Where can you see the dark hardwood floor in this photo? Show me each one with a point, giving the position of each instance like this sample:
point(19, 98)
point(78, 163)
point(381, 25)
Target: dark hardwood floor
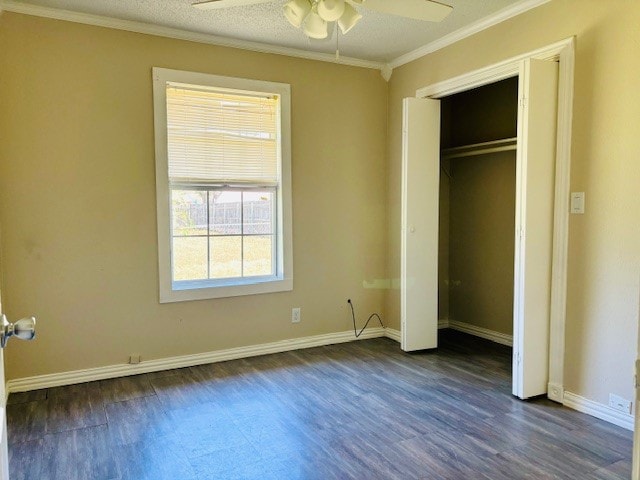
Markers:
point(363, 410)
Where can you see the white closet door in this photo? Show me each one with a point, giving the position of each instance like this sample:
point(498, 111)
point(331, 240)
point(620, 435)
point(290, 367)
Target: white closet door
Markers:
point(535, 178)
point(420, 211)
point(635, 456)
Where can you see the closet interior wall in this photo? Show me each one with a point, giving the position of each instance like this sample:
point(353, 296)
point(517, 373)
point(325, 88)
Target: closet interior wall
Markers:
point(477, 209)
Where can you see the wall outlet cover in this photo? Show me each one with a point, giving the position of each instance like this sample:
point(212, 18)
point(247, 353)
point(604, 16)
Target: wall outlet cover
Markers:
point(621, 404)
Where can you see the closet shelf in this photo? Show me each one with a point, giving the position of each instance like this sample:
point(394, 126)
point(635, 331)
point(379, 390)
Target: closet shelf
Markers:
point(503, 145)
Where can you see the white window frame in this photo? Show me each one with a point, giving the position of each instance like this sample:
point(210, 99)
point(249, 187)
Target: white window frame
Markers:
point(201, 290)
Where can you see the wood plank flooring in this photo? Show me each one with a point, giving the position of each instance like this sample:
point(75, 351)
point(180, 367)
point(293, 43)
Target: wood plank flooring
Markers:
point(363, 410)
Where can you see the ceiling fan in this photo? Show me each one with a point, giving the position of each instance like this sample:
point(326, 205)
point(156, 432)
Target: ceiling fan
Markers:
point(315, 16)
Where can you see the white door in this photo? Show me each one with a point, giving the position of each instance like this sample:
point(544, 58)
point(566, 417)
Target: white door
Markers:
point(635, 472)
point(4, 453)
point(420, 211)
point(535, 178)
point(24, 329)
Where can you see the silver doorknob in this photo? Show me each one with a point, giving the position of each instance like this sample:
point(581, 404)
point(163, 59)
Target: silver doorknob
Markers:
point(24, 329)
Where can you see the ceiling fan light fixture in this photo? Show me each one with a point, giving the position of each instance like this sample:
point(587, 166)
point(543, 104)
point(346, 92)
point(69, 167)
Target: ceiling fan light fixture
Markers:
point(296, 11)
point(331, 10)
point(314, 26)
point(348, 19)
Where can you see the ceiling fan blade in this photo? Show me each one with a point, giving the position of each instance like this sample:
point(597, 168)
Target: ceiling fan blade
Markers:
point(217, 4)
point(426, 10)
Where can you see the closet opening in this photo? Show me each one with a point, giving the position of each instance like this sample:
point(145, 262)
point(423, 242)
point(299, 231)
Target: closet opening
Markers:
point(436, 275)
point(477, 214)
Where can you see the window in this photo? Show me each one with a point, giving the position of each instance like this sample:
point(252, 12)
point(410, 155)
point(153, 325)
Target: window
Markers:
point(223, 185)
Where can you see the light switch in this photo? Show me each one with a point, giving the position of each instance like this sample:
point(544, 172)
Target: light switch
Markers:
point(577, 202)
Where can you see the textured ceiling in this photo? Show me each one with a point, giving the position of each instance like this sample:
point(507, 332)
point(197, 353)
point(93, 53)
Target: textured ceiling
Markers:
point(377, 37)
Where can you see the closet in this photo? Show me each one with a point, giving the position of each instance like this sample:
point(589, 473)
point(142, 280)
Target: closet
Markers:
point(477, 208)
point(469, 183)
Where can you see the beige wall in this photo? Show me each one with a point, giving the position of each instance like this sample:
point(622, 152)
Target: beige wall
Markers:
point(604, 250)
point(77, 197)
point(481, 240)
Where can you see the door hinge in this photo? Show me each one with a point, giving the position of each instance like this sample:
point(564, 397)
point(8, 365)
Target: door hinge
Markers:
point(517, 358)
point(523, 102)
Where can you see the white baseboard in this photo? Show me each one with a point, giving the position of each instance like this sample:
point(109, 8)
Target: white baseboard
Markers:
point(393, 334)
point(114, 371)
point(598, 410)
point(485, 333)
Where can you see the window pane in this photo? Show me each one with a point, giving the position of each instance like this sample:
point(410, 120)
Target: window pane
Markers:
point(258, 212)
point(189, 212)
point(258, 255)
point(226, 257)
point(189, 258)
point(226, 217)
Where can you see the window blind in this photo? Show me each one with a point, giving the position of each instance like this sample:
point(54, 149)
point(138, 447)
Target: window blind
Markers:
point(221, 137)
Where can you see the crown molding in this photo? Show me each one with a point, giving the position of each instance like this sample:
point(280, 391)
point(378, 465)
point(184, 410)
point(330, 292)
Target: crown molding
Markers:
point(471, 29)
point(179, 34)
point(386, 69)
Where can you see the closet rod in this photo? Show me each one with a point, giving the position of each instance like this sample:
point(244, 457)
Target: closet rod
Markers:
point(503, 145)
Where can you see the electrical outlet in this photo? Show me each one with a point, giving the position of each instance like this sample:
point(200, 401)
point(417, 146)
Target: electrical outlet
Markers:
point(135, 358)
point(295, 315)
point(619, 403)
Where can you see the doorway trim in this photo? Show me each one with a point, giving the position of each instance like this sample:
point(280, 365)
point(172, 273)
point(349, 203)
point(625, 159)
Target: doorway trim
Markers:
point(564, 53)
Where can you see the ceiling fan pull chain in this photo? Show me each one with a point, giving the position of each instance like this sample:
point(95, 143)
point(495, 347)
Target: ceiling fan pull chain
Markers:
point(337, 44)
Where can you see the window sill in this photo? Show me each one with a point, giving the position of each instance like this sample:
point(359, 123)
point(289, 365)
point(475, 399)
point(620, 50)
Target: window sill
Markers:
point(186, 291)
